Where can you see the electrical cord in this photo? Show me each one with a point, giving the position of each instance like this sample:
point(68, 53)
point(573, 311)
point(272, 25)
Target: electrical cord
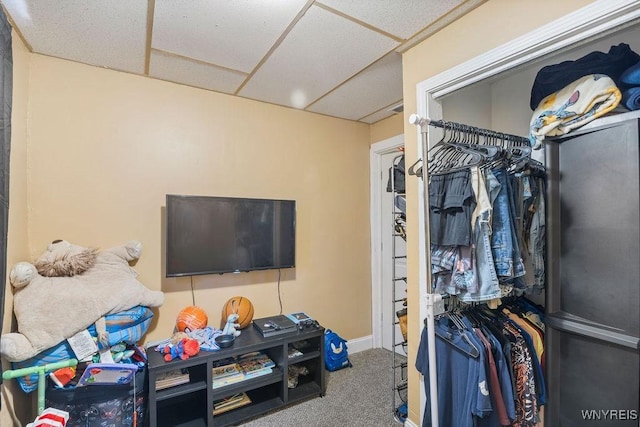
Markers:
point(193, 295)
point(279, 296)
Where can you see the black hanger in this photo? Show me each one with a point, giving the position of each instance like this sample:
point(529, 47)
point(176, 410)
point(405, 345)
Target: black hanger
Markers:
point(460, 151)
point(448, 337)
point(457, 324)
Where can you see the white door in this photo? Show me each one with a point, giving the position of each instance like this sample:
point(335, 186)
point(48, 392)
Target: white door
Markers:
point(382, 306)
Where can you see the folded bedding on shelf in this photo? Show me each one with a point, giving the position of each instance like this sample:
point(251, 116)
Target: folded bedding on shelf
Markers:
point(631, 98)
point(575, 105)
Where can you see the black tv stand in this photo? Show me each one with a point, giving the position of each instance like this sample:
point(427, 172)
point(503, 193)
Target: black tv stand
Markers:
point(191, 404)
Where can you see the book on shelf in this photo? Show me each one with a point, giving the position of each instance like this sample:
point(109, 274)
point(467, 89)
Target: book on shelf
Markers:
point(172, 378)
point(257, 373)
point(255, 364)
point(230, 402)
point(222, 362)
point(224, 371)
point(256, 358)
point(226, 381)
point(226, 374)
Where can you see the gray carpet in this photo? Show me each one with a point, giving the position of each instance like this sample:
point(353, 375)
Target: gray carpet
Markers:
point(357, 396)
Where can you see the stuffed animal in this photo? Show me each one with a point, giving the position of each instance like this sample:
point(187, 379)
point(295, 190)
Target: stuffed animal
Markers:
point(177, 337)
point(231, 327)
point(294, 372)
point(69, 288)
point(183, 349)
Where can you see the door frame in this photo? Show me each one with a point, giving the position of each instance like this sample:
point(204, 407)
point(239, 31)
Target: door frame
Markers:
point(596, 20)
point(376, 152)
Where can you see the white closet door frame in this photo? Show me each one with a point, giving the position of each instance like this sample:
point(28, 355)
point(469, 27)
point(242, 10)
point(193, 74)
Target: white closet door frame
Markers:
point(593, 21)
point(375, 155)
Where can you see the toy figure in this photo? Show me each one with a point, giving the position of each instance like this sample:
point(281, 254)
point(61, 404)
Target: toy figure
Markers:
point(231, 327)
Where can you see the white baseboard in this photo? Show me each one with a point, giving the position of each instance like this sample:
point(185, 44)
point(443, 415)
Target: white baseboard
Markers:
point(360, 344)
point(409, 423)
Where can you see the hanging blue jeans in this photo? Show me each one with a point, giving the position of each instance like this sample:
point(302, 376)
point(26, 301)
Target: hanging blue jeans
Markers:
point(520, 191)
point(537, 236)
point(486, 189)
point(504, 242)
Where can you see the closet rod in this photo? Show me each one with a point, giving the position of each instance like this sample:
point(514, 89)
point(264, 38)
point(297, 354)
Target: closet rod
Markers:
point(433, 299)
point(414, 119)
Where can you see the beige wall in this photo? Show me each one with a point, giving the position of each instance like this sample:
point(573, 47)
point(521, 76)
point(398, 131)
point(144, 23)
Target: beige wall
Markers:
point(387, 128)
point(492, 24)
point(106, 147)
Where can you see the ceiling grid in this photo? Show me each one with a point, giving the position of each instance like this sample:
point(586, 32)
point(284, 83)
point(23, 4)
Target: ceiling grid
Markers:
point(339, 58)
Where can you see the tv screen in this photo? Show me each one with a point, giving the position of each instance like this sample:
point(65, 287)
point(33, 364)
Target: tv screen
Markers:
point(207, 234)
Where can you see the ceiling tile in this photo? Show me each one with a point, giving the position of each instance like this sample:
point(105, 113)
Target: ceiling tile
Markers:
point(403, 21)
point(321, 51)
point(377, 116)
point(320, 55)
point(234, 34)
point(108, 33)
point(375, 88)
point(182, 70)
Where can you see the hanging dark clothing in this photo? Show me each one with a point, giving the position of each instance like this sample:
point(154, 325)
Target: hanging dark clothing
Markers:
point(451, 203)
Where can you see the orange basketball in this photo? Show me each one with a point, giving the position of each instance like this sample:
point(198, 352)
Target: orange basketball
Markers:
point(240, 305)
point(192, 318)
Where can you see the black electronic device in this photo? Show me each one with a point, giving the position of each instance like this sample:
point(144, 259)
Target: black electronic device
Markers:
point(303, 320)
point(274, 325)
point(207, 234)
point(308, 324)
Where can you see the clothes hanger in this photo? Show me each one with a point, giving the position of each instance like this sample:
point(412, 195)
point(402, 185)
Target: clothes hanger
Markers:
point(478, 323)
point(455, 153)
point(472, 141)
point(452, 158)
point(457, 325)
point(473, 351)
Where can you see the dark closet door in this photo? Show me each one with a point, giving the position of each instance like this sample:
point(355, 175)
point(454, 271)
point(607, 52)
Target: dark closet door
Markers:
point(593, 281)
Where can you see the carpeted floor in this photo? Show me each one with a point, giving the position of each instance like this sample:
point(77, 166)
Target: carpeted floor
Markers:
point(357, 396)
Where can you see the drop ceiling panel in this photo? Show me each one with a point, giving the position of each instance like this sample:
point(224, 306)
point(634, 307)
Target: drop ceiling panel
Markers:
point(379, 115)
point(321, 51)
point(107, 33)
point(319, 55)
point(375, 88)
point(235, 34)
point(183, 70)
point(402, 19)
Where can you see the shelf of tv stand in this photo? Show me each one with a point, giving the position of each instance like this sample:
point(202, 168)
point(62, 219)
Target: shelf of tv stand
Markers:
point(194, 400)
point(248, 384)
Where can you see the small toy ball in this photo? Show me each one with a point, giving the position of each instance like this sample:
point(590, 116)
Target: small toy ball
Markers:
point(240, 306)
point(191, 318)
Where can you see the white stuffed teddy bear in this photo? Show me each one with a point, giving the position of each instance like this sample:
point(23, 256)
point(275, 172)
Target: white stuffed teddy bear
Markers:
point(231, 327)
point(66, 290)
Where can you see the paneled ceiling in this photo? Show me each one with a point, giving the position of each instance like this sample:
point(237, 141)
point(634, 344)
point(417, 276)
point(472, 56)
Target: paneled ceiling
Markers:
point(340, 58)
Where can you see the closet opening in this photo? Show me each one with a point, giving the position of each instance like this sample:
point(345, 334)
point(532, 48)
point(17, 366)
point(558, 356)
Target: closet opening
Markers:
point(463, 93)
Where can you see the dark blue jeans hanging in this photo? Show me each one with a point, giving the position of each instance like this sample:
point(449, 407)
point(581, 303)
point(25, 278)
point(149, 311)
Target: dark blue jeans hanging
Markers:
point(504, 241)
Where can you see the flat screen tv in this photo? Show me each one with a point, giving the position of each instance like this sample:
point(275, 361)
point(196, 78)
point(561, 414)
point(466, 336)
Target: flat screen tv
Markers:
point(208, 235)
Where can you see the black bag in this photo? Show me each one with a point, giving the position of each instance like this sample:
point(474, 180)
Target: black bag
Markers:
point(398, 177)
point(102, 405)
point(336, 355)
